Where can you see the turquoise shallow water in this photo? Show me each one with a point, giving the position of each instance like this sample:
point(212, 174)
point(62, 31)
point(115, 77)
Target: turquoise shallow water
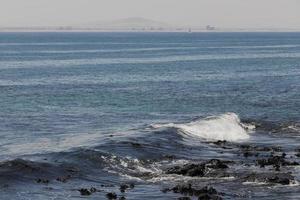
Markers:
point(64, 96)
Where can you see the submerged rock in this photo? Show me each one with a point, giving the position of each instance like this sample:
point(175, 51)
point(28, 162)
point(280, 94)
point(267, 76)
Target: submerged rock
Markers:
point(63, 179)
point(87, 192)
point(213, 167)
point(123, 188)
point(275, 178)
point(45, 181)
point(184, 198)
point(202, 193)
point(111, 195)
point(275, 161)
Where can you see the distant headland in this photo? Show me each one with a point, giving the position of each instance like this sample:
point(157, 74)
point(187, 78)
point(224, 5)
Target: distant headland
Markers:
point(135, 25)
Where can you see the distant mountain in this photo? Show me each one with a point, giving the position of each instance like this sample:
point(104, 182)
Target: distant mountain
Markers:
point(132, 23)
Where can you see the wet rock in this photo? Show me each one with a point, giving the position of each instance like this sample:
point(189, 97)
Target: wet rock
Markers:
point(63, 179)
point(274, 178)
point(85, 192)
point(275, 161)
point(203, 193)
point(122, 198)
point(223, 144)
point(213, 167)
point(220, 142)
point(93, 190)
point(184, 198)
point(19, 165)
point(247, 147)
point(123, 188)
point(111, 195)
point(247, 154)
point(72, 169)
point(137, 145)
point(169, 157)
point(107, 185)
point(131, 185)
point(297, 152)
point(248, 150)
point(45, 181)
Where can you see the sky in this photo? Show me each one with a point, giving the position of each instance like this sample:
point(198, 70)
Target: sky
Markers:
point(219, 13)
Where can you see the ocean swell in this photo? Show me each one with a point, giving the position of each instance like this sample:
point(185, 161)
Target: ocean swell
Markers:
point(226, 126)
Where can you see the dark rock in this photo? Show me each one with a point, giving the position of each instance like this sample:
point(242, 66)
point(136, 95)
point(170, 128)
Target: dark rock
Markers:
point(250, 154)
point(123, 188)
point(216, 164)
point(122, 198)
point(203, 193)
point(184, 198)
point(63, 179)
point(279, 180)
point(209, 197)
point(131, 185)
point(213, 167)
point(276, 161)
point(93, 190)
point(134, 144)
point(223, 144)
point(111, 195)
point(247, 147)
point(107, 185)
point(72, 169)
point(169, 157)
point(275, 178)
point(45, 181)
point(220, 142)
point(85, 192)
point(165, 190)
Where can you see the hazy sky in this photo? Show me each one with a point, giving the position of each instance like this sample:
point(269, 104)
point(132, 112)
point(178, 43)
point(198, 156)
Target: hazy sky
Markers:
point(220, 13)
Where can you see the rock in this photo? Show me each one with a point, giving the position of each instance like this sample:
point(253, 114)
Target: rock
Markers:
point(45, 181)
point(111, 195)
point(63, 178)
point(107, 185)
point(220, 142)
point(203, 193)
point(93, 190)
point(274, 178)
point(276, 161)
point(131, 185)
point(184, 198)
point(122, 198)
point(123, 187)
point(213, 167)
point(136, 145)
point(85, 192)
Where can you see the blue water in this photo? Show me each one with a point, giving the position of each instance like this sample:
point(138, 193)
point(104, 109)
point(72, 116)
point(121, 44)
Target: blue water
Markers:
point(67, 96)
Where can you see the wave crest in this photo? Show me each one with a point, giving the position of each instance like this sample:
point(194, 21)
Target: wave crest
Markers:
point(227, 126)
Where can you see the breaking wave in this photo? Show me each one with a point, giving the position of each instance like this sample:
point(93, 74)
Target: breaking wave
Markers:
point(227, 126)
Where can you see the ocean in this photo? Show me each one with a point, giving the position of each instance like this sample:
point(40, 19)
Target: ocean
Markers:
point(149, 115)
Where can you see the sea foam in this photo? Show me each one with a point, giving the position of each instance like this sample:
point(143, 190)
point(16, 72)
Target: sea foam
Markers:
point(226, 126)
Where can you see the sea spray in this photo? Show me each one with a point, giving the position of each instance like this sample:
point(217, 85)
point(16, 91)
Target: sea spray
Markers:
point(226, 126)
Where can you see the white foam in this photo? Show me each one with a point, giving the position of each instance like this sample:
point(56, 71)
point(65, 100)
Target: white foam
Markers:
point(223, 127)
